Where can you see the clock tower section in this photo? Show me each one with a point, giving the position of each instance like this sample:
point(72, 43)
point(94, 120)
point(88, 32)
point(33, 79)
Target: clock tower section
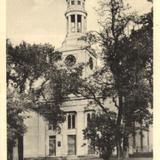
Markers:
point(73, 47)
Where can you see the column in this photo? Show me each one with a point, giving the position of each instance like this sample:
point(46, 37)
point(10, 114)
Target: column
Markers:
point(76, 23)
point(82, 24)
point(80, 137)
point(69, 24)
point(85, 24)
point(64, 142)
point(42, 137)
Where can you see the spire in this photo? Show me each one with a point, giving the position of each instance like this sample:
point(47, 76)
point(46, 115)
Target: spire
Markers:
point(76, 17)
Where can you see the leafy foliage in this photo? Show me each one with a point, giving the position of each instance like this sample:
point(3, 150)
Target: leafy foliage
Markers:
point(101, 131)
point(35, 82)
point(126, 77)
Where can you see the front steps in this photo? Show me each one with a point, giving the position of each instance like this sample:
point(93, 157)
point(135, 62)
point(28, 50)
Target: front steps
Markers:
point(137, 155)
point(65, 158)
point(142, 155)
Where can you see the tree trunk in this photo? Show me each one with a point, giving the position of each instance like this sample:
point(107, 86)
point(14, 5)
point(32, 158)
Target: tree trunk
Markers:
point(125, 147)
point(118, 135)
point(20, 148)
point(134, 136)
point(141, 137)
point(119, 151)
point(125, 154)
point(9, 152)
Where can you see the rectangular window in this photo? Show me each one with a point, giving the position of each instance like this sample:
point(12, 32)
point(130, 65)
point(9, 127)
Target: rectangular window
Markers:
point(71, 144)
point(52, 145)
point(79, 18)
point(72, 18)
point(72, 2)
point(79, 2)
point(71, 121)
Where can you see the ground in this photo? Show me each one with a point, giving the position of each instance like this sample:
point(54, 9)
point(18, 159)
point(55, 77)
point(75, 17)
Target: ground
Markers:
point(84, 158)
point(140, 158)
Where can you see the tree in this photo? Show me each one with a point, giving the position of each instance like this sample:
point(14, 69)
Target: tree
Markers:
point(25, 64)
point(127, 73)
point(101, 131)
point(35, 82)
point(15, 126)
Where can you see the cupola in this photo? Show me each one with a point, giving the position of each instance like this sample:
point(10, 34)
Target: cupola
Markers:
point(76, 17)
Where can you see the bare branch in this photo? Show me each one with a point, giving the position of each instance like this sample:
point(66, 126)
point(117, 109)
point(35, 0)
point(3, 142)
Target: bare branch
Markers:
point(115, 103)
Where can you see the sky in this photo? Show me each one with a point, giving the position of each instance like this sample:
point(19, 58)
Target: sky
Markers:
point(43, 21)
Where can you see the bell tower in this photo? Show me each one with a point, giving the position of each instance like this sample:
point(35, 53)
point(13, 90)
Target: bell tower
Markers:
point(74, 47)
point(76, 17)
point(76, 25)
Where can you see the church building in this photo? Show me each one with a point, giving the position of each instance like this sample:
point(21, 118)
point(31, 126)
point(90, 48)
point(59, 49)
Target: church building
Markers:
point(40, 139)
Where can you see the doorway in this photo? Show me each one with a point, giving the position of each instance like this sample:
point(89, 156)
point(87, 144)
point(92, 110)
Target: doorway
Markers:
point(52, 145)
point(71, 144)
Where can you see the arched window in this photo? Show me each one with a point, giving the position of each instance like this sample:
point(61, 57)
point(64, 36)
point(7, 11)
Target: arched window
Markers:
point(71, 121)
point(91, 149)
point(73, 23)
point(93, 115)
point(88, 118)
point(79, 27)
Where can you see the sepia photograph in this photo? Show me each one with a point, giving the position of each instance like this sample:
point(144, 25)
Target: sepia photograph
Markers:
point(79, 79)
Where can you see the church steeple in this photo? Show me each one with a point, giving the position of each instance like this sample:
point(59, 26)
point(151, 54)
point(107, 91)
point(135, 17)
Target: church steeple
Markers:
point(76, 17)
point(76, 24)
point(74, 46)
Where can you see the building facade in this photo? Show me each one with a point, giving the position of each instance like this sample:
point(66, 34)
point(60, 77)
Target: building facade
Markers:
point(41, 140)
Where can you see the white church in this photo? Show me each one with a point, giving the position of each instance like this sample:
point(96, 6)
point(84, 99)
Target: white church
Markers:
point(40, 139)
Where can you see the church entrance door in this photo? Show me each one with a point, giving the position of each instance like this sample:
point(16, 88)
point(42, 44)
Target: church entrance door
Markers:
point(52, 145)
point(71, 144)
